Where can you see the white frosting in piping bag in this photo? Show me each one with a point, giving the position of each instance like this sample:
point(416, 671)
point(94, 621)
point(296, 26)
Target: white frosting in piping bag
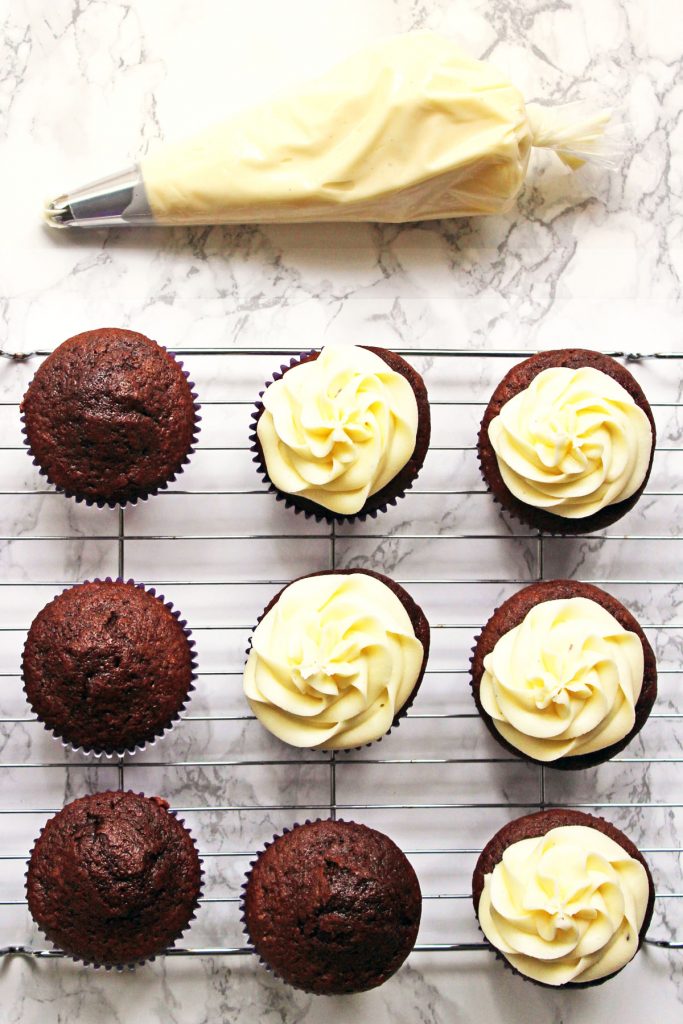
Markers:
point(410, 129)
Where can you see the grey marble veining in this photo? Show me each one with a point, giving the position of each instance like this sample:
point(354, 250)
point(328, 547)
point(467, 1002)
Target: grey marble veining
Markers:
point(594, 260)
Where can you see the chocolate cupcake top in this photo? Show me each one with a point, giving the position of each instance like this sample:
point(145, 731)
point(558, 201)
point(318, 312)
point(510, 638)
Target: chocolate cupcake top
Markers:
point(344, 430)
point(335, 658)
point(113, 878)
point(565, 897)
point(109, 416)
point(567, 440)
point(107, 666)
point(332, 907)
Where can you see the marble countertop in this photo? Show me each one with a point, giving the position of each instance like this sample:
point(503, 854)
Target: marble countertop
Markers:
point(593, 260)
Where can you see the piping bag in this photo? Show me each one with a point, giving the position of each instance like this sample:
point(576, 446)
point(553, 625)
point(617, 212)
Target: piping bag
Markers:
point(410, 129)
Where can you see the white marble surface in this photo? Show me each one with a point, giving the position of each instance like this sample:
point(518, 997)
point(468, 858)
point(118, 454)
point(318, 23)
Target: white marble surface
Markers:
point(592, 260)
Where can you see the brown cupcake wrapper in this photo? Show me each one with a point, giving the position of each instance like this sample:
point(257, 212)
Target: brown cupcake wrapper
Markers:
point(568, 986)
point(110, 502)
point(401, 714)
point(129, 965)
point(524, 514)
point(303, 506)
point(562, 764)
point(116, 755)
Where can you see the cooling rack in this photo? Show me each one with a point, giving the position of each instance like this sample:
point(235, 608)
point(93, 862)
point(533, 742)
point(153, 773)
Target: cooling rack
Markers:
point(218, 545)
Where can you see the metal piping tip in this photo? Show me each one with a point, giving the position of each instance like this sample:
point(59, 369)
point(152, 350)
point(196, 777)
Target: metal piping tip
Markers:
point(117, 200)
point(57, 213)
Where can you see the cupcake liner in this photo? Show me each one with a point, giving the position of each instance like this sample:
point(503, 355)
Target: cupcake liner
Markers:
point(129, 965)
point(403, 711)
point(565, 764)
point(116, 755)
point(110, 502)
point(302, 505)
point(575, 984)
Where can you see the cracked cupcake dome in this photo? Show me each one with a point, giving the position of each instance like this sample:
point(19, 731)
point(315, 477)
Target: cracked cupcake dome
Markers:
point(567, 441)
point(114, 879)
point(332, 907)
point(342, 433)
point(108, 666)
point(110, 417)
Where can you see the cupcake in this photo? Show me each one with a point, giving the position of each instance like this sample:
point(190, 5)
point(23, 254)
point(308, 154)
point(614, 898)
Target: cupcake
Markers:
point(567, 441)
point(336, 659)
point(342, 432)
point(114, 879)
point(110, 417)
point(108, 666)
point(563, 675)
point(332, 907)
point(563, 897)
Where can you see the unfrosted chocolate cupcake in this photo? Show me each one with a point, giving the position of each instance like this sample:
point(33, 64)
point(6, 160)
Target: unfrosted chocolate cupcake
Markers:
point(563, 675)
point(108, 666)
point(332, 907)
point(114, 879)
point(110, 417)
point(563, 897)
point(336, 659)
point(567, 441)
point(343, 432)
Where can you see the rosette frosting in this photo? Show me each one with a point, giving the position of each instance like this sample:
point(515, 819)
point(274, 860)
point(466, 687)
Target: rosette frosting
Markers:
point(572, 442)
point(336, 429)
point(332, 662)
point(565, 681)
point(565, 907)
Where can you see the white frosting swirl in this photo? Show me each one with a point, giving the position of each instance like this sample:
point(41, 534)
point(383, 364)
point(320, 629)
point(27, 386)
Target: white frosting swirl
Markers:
point(332, 662)
point(572, 442)
point(565, 681)
point(565, 907)
point(338, 428)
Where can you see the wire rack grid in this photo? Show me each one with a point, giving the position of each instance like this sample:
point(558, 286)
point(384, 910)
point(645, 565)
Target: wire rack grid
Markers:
point(445, 541)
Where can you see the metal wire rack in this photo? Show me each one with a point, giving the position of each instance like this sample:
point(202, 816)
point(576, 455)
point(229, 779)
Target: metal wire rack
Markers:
point(456, 404)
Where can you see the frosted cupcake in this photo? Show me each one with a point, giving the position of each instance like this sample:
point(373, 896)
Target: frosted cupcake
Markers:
point(567, 441)
point(564, 898)
point(336, 659)
point(563, 675)
point(342, 432)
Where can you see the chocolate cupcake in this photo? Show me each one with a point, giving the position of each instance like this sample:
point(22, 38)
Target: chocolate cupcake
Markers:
point(110, 417)
point(332, 907)
point(563, 675)
point(343, 432)
point(567, 441)
point(563, 897)
point(336, 659)
point(114, 879)
point(108, 666)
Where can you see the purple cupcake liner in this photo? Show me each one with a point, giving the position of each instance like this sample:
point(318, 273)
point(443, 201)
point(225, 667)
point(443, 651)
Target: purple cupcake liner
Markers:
point(131, 965)
point(401, 714)
point(109, 502)
point(116, 755)
point(310, 510)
